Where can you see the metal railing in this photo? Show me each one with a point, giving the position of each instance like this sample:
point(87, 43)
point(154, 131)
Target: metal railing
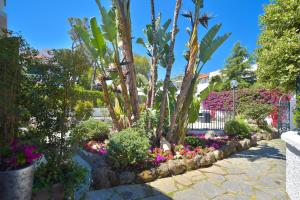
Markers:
point(211, 120)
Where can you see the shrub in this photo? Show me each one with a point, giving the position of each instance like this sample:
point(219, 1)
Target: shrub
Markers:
point(237, 127)
point(142, 124)
point(194, 141)
point(90, 130)
point(297, 113)
point(69, 174)
point(255, 111)
point(128, 147)
point(83, 110)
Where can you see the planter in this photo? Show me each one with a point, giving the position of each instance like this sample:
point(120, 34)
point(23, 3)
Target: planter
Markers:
point(16, 184)
point(292, 140)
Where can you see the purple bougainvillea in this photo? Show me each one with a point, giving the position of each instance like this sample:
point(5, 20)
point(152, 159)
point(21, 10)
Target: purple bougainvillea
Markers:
point(224, 101)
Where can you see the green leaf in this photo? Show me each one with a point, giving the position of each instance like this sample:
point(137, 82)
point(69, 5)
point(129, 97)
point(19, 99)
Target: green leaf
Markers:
point(98, 40)
point(209, 44)
point(84, 35)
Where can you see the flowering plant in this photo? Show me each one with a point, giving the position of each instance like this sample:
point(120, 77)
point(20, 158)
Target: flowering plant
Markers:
point(96, 147)
point(17, 155)
point(159, 155)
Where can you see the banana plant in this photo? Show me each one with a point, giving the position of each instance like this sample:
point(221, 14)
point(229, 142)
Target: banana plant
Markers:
point(123, 19)
point(157, 47)
point(198, 55)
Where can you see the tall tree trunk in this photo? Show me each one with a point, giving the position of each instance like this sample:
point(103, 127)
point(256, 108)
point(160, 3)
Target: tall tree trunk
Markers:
point(188, 77)
point(124, 90)
point(168, 71)
point(124, 26)
point(109, 105)
point(153, 79)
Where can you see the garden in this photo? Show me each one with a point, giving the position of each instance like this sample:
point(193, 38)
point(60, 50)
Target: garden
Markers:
point(49, 134)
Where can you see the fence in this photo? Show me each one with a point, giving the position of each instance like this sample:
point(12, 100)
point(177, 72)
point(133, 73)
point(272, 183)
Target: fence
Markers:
point(211, 120)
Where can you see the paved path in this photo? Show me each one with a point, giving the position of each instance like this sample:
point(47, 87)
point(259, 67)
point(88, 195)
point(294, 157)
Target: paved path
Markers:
point(258, 173)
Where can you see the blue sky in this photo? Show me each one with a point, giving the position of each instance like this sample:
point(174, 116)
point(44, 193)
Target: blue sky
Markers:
point(44, 23)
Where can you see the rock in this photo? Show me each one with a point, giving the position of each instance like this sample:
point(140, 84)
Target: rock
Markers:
point(146, 176)
point(219, 155)
point(104, 178)
point(211, 157)
point(231, 147)
point(95, 160)
point(176, 167)
point(127, 177)
point(197, 160)
point(164, 144)
point(163, 170)
point(190, 164)
point(253, 140)
point(225, 150)
point(205, 161)
point(245, 144)
point(238, 146)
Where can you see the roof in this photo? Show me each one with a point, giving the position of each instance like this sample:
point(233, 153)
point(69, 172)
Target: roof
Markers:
point(203, 76)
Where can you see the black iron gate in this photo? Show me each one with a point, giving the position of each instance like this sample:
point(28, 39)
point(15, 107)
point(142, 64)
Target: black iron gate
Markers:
point(284, 114)
point(211, 120)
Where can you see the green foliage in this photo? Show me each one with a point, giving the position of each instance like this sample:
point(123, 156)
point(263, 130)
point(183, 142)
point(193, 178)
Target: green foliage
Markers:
point(49, 98)
point(297, 113)
point(194, 110)
point(94, 96)
point(69, 174)
point(238, 67)
point(90, 130)
point(128, 147)
point(210, 43)
point(83, 110)
point(146, 117)
point(278, 56)
point(255, 111)
point(194, 141)
point(163, 37)
point(15, 56)
point(237, 127)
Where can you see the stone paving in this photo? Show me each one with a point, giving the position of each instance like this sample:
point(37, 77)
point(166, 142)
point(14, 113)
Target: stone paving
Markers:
point(258, 173)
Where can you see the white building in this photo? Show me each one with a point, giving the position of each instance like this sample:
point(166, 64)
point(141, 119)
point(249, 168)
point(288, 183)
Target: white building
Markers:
point(3, 17)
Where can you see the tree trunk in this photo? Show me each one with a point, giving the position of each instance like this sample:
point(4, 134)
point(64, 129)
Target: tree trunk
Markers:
point(168, 71)
point(124, 26)
point(109, 105)
point(153, 79)
point(124, 90)
point(188, 77)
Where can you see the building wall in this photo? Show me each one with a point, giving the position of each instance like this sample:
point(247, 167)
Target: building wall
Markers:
point(3, 17)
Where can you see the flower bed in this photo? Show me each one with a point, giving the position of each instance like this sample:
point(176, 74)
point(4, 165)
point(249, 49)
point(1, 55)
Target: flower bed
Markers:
point(162, 163)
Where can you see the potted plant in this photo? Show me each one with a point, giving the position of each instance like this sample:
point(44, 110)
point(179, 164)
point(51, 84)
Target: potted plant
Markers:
point(16, 170)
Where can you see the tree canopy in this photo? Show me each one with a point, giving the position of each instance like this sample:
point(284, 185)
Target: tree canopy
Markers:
point(278, 56)
point(238, 67)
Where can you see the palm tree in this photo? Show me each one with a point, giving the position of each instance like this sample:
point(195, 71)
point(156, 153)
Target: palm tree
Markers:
point(168, 70)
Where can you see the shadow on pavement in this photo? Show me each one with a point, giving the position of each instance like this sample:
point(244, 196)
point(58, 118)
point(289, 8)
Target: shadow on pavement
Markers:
point(259, 152)
point(128, 192)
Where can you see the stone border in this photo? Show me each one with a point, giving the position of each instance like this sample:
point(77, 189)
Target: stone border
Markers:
point(105, 177)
